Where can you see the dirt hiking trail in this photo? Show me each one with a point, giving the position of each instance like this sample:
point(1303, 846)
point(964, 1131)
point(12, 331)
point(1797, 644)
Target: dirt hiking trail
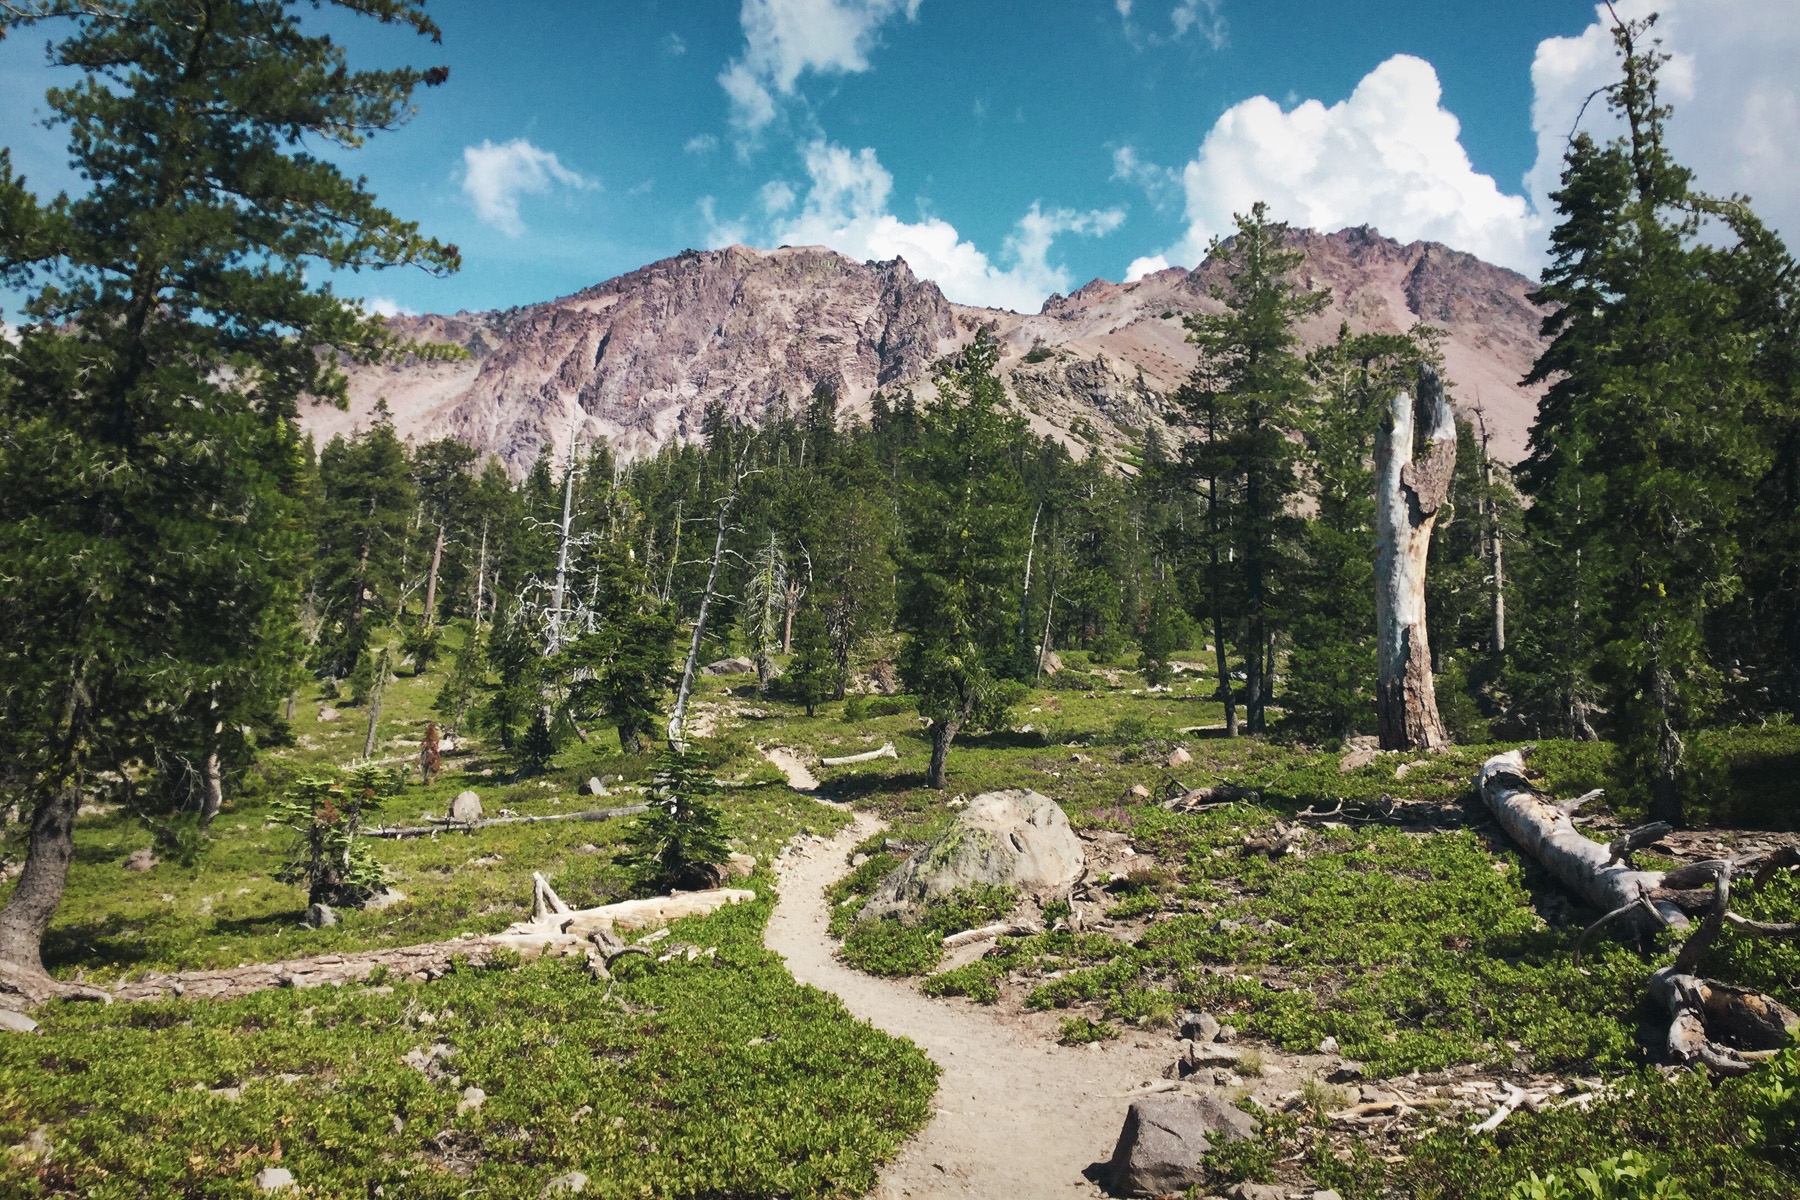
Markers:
point(1017, 1115)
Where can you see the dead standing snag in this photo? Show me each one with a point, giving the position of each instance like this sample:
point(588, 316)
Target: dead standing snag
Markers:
point(1409, 493)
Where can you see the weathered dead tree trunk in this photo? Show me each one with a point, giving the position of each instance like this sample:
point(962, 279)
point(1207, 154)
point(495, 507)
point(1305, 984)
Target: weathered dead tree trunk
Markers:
point(1544, 830)
point(431, 578)
point(685, 689)
point(1408, 494)
point(448, 826)
point(1727, 1028)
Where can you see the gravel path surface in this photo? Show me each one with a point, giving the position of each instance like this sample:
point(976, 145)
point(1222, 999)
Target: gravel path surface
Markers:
point(1017, 1115)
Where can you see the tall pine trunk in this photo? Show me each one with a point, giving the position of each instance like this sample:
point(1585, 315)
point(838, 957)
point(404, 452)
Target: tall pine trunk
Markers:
point(1408, 495)
point(1256, 697)
point(40, 887)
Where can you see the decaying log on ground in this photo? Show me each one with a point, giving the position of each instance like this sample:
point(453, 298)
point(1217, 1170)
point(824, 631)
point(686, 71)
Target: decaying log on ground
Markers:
point(449, 826)
point(887, 751)
point(1219, 794)
point(1544, 831)
point(1728, 1028)
point(554, 929)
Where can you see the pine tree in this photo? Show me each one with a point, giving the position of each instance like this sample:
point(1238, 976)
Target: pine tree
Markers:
point(1250, 388)
point(812, 676)
point(966, 519)
point(368, 505)
point(1641, 453)
point(681, 841)
point(149, 461)
point(623, 668)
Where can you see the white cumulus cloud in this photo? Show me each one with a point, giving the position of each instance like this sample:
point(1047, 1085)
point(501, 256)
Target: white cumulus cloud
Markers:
point(784, 38)
point(385, 306)
point(846, 208)
point(1390, 156)
point(1150, 264)
point(1732, 82)
point(494, 177)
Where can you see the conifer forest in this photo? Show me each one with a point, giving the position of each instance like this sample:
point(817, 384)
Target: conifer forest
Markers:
point(891, 795)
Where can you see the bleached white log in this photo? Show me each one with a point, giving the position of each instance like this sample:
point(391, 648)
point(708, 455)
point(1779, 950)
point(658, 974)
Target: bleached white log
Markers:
point(887, 751)
point(1542, 828)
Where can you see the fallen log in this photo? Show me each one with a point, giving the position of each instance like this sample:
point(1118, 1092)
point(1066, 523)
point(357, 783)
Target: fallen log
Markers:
point(554, 929)
point(1542, 829)
point(887, 751)
point(1728, 1028)
point(987, 933)
point(449, 826)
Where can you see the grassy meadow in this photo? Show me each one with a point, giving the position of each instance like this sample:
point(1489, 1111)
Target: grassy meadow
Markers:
point(1403, 926)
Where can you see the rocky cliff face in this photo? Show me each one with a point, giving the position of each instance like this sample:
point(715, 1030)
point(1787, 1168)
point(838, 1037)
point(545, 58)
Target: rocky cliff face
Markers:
point(638, 359)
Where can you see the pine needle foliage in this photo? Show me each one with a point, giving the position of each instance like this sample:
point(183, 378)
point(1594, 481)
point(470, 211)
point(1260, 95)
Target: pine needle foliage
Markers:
point(681, 840)
point(328, 859)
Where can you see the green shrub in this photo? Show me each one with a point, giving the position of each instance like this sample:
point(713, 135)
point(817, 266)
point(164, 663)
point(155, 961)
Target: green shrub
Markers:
point(890, 948)
point(1627, 1176)
point(979, 981)
point(334, 866)
point(856, 708)
point(1687, 1135)
point(1076, 1031)
point(721, 1077)
point(1129, 729)
point(893, 947)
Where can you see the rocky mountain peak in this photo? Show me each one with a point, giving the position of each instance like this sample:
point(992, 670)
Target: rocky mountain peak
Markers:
point(639, 358)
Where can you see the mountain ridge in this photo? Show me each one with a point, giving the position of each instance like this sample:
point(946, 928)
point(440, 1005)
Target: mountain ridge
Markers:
point(637, 358)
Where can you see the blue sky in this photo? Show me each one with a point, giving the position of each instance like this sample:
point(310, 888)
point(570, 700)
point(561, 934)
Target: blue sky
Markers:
point(1006, 148)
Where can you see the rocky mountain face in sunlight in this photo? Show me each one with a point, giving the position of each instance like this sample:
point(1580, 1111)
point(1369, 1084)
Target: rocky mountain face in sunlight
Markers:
point(638, 359)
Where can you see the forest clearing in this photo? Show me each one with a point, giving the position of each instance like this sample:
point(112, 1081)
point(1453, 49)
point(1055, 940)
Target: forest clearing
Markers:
point(875, 745)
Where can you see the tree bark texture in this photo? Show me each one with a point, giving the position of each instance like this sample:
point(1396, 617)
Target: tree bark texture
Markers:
point(1409, 493)
point(942, 734)
point(40, 887)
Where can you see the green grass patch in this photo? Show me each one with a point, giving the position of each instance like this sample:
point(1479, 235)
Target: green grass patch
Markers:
point(713, 1078)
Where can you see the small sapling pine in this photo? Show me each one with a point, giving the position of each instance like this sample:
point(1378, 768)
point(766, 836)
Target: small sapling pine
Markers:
point(335, 867)
point(681, 840)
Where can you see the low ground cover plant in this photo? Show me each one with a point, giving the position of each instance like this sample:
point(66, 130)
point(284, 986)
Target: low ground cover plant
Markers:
point(715, 1077)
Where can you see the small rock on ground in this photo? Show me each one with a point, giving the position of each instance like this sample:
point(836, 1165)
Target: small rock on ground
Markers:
point(140, 860)
point(274, 1179)
point(466, 808)
point(566, 1184)
point(472, 1099)
point(16, 1022)
point(1160, 1147)
point(319, 916)
point(1258, 1191)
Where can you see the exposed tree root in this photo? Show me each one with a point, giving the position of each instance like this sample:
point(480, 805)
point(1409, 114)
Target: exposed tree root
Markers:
point(1728, 1028)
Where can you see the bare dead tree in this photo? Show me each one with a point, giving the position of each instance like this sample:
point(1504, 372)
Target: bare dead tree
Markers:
point(1409, 493)
point(678, 715)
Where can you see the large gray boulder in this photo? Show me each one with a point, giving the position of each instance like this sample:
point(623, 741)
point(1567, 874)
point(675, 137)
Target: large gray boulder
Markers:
point(1015, 838)
point(466, 808)
point(1164, 1136)
point(729, 666)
